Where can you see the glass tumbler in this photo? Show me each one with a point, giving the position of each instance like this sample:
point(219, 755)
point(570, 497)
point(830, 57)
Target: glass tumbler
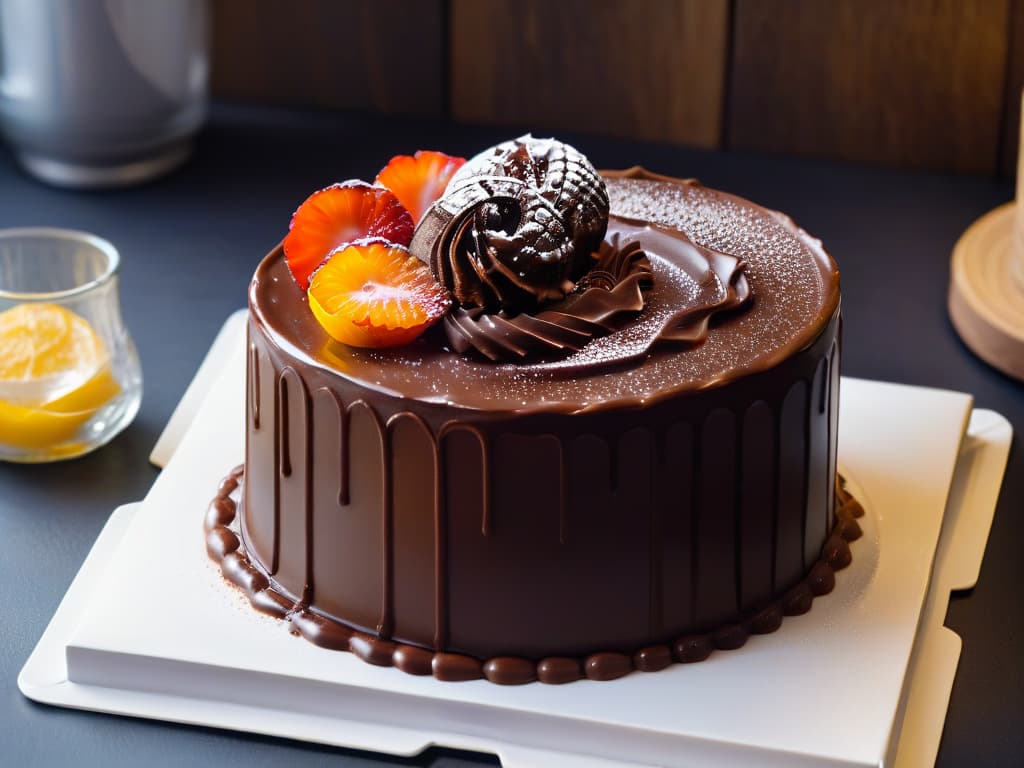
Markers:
point(70, 378)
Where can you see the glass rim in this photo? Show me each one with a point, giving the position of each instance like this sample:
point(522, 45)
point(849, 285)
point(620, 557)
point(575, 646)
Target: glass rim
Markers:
point(74, 235)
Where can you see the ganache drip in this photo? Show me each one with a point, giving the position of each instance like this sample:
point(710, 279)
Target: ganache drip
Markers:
point(517, 226)
point(604, 300)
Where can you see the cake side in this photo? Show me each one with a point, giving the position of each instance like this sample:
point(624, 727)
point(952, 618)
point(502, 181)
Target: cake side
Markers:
point(225, 547)
point(545, 533)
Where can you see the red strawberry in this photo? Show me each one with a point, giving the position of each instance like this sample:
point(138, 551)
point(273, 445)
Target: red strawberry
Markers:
point(340, 214)
point(420, 179)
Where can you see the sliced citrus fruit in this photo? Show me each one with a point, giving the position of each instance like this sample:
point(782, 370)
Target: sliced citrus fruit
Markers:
point(54, 375)
point(341, 214)
point(39, 428)
point(90, 396)
point(418, 180)
point(376, 294)
point(45, 352)
point(42, 339)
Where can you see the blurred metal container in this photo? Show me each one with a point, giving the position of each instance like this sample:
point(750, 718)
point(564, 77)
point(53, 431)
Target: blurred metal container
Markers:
point(100, 93)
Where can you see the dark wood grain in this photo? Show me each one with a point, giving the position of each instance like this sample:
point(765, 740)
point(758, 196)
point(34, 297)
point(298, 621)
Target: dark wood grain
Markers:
point(917, 83)
point(649, 69)
point(1014, 87)
point(381, 55)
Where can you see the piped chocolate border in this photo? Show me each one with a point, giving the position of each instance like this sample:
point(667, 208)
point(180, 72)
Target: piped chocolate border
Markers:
point(224, 547)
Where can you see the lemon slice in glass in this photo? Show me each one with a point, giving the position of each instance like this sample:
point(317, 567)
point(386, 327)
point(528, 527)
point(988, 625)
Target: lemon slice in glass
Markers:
point(54, 375)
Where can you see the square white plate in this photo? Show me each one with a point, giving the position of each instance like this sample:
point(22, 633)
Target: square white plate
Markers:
point(150, 629)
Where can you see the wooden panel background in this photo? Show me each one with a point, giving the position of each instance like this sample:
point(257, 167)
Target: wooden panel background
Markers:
point(647, 69)
point(918, 82)
point(379, 55)
point(912, 83)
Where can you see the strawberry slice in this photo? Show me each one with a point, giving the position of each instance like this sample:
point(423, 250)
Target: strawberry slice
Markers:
point(418, 180)
point(340, 214)
point(376, 294)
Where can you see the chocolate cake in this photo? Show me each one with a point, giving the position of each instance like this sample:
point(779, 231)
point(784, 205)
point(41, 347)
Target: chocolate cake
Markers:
point(633, 465)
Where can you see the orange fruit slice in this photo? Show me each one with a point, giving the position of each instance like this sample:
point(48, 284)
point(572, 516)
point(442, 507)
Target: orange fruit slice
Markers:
point(42, 345)
point(376, 294)
point(90, 396)
point(38, 428)
point(54, 375)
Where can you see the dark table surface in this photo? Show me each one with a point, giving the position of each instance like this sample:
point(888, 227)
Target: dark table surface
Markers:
point(189, 244)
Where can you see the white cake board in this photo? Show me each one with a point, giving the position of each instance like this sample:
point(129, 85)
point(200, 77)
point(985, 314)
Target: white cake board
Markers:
point(148, 628)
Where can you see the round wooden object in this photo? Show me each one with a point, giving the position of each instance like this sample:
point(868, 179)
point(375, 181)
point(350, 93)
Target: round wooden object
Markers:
point(986, 300)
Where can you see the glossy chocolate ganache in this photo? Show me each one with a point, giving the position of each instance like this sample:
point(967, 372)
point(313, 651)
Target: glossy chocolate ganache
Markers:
point(485, 502)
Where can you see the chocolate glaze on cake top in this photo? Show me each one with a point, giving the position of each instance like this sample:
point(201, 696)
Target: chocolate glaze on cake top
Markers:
point(753, 256)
